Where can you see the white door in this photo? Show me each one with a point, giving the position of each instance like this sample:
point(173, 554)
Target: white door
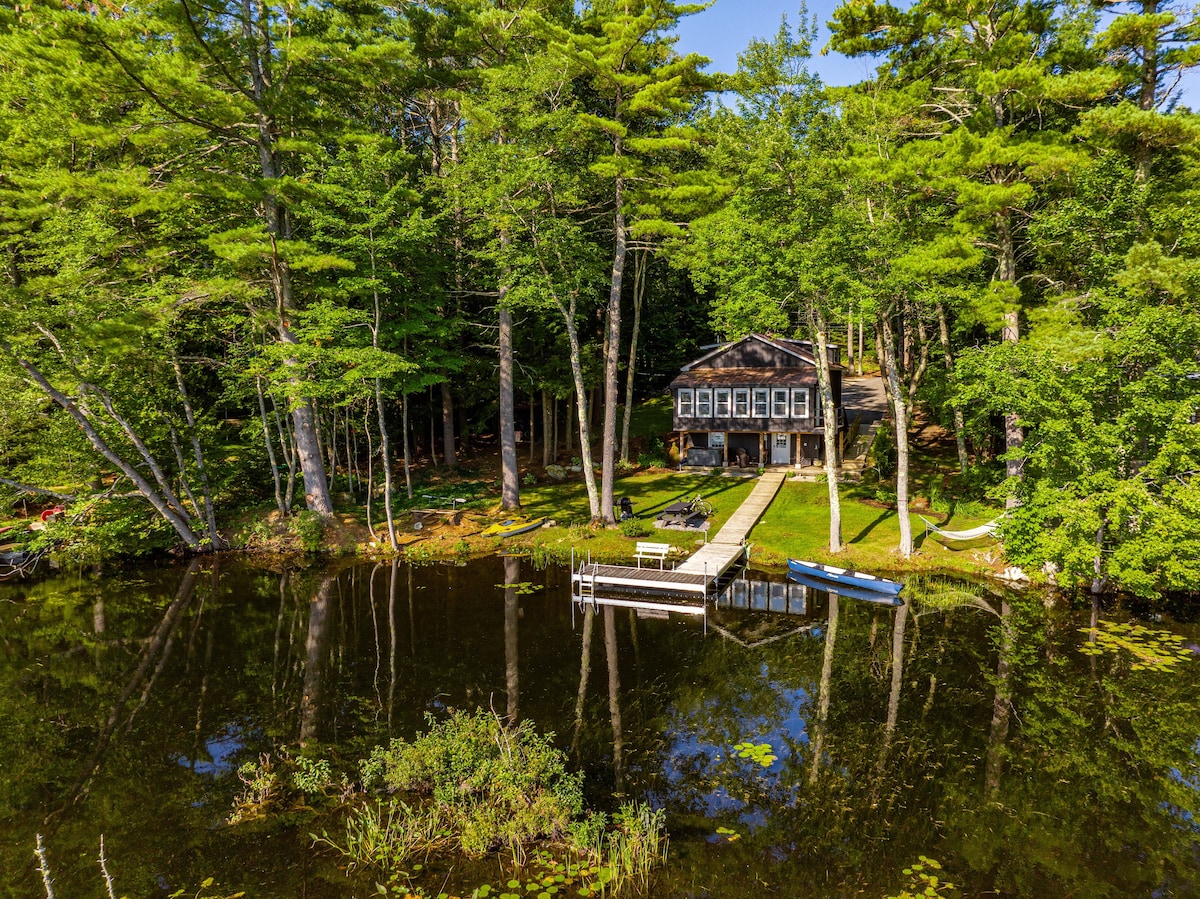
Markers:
point(781, 449)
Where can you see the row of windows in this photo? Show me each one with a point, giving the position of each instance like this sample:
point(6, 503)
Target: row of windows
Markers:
point(743, 402)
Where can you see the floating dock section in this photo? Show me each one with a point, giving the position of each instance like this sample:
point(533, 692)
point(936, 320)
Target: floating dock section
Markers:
point(695, 576)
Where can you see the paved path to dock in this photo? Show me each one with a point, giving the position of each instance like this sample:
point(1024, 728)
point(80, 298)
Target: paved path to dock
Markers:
point(723, 550)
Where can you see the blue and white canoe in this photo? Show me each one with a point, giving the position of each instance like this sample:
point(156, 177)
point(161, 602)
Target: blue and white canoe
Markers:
point(812, 583)
point(843, 577)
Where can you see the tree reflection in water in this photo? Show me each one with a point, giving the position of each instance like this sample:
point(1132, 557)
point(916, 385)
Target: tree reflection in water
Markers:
point(129, 703)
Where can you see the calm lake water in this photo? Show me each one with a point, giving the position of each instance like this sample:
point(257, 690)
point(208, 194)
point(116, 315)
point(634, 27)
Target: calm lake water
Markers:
point(969, 726)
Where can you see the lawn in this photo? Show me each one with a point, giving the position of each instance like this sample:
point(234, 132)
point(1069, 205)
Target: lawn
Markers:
point(795, 525)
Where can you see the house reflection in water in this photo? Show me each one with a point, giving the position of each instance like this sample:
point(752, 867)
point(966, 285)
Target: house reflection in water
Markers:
point(764, 596)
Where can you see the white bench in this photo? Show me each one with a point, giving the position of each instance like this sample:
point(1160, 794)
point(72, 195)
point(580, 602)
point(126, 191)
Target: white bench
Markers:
point(658, 551)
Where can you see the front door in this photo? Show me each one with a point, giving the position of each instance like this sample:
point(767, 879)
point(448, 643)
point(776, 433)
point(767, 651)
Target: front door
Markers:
point(781, 449)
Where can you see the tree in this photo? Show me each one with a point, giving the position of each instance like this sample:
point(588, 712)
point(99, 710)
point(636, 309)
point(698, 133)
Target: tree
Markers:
point(777, 252)
point(643, 94)
point(989, 79)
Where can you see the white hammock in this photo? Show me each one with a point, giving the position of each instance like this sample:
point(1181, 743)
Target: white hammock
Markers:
point(984, 530)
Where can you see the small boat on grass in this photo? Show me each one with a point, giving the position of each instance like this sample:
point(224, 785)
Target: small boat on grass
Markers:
point(512, 526)
point(844, 577)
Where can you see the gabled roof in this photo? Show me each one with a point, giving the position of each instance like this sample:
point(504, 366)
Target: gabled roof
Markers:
point(800, 349)
point(746, 377)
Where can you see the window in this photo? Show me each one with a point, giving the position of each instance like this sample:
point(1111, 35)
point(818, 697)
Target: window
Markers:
point(716, 439)
point(741, 403)
point(799, 402)
point(779, 402)
point(685, 402)
point(721, 399)
point(704, 403)
point(761, 400)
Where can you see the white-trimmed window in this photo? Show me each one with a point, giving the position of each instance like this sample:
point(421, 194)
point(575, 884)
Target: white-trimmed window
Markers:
point(762, 402)
point(686, 407)
point(716, 439)
point(721, 400)
point(779, 402)
point(799, 402)
point(741, 403)
point(704, 403)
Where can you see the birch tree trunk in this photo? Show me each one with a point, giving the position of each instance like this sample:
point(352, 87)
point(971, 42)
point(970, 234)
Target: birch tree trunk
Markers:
point(900, 416)
point(639, 288)
point(262, 410)
point(816, 317)
point(210, 515)
point(174, 515)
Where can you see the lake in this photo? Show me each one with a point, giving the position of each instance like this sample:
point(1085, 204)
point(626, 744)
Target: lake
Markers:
point(1029, 749)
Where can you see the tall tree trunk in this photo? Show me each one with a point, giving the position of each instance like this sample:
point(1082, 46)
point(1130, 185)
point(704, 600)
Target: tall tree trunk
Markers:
point(510, 487)
point(287, 443)
point(569, 433)
point(1014, 435)
point(532, 419)
point(262, 409)
point(210, 515)
point(386, 453)
point(859, 358)
point(850, 340)
point(816, 317)
point(275, 217)
point(370, 469)
point(1099, 577)
point(432, 430)
point(548, 428)
point(900, 416)
point(408, 485)
point(448, 451)
point(385, 443)
point(960, 428)
point(1147, 89)
point(639, 288)
point(612, 352)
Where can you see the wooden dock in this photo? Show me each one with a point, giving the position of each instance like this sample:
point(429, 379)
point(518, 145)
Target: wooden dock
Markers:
point(698, 573)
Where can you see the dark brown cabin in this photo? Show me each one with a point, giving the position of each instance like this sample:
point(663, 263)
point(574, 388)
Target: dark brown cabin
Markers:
point(754, 402)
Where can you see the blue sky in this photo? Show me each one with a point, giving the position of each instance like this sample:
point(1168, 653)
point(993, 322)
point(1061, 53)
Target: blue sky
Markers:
point(724, 30)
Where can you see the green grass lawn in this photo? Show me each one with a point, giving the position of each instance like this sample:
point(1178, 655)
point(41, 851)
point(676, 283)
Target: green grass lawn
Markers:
point(795, 525)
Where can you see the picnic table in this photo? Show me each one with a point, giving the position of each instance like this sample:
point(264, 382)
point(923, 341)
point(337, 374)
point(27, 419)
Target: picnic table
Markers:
point(682, 513)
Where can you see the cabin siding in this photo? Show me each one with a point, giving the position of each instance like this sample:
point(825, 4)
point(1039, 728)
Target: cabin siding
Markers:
point(754, 394)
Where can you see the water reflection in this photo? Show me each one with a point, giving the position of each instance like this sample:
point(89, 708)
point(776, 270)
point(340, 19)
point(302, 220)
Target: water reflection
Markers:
point(985, 740)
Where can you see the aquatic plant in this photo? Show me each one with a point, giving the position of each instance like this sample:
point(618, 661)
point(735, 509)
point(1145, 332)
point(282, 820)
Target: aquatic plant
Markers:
point(762, 753)
point(1150, 650)
point(496, 786)
point(924, 882)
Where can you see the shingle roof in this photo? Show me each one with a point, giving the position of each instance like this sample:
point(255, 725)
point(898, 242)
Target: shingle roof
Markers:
point(746, 377)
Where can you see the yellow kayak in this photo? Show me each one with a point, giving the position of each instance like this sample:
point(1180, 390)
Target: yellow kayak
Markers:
point(511, 526)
